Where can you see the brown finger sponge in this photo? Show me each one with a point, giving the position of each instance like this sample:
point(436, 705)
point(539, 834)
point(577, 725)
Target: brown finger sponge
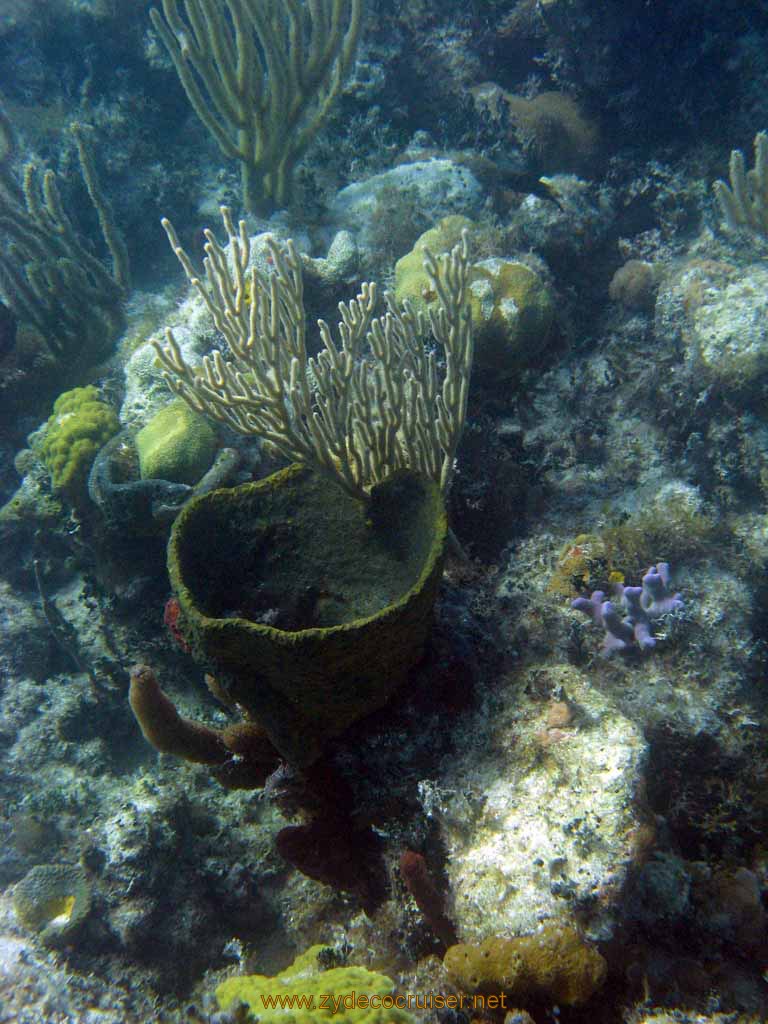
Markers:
point(165, 728)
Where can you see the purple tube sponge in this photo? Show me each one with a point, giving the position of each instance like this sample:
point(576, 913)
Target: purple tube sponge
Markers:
point(640, 605)
point(656, 598)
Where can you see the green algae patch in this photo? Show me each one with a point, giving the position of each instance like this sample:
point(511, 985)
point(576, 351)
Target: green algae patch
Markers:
point(305, 994)
point(309, 607)
point(53, 900)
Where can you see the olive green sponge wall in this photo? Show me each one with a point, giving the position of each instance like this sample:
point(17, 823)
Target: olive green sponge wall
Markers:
point(309, 607)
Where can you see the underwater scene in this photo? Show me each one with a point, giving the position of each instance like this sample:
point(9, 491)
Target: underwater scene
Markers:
point(383, 512)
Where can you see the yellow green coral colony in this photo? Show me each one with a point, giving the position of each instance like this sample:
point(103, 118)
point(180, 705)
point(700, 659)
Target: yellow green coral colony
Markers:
point(305, 994)
point(80, 425)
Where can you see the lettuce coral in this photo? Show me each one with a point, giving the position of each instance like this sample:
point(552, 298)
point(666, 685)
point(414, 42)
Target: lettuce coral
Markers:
point(305, 994)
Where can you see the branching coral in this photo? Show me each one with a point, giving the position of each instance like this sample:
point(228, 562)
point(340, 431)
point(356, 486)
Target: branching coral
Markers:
point(745, 203)
point(358, 417)
point(262, 76)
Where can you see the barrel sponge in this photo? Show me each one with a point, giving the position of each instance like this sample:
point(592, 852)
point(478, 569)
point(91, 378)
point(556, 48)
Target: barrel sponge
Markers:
point(177, 444)
point(53, 900)
point(305, 978)
point(554, 963)
point(79, 426)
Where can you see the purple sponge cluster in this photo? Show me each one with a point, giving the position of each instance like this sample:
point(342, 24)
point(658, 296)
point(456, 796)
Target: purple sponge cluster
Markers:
point(627, 621)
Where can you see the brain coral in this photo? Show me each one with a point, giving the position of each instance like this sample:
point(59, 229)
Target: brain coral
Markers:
point(177, 444)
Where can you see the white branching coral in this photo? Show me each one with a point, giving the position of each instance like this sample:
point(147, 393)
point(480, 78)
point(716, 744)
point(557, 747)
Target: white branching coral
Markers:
point(378, 401)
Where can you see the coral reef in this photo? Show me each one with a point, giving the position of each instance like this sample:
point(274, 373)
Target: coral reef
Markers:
point(516, 790)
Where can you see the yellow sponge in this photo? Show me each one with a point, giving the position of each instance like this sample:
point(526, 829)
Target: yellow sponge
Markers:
point(305, 994)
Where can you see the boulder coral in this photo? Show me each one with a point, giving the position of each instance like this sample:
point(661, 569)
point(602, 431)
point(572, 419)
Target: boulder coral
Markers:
point(513, 314)
point(511, 305)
